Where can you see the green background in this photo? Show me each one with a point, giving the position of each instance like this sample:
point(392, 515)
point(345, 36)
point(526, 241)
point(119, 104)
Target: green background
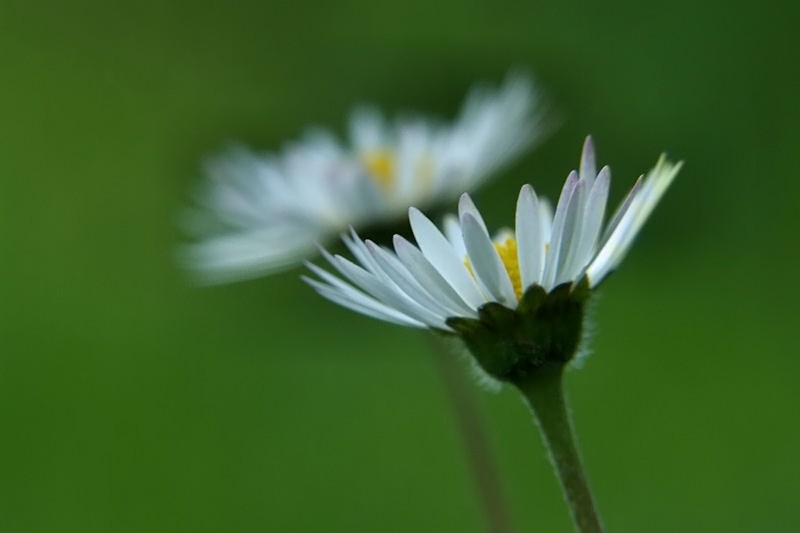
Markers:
point(132, 401)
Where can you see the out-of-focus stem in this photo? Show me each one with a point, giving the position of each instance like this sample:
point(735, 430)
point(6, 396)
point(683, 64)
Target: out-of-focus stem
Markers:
point(460, 393)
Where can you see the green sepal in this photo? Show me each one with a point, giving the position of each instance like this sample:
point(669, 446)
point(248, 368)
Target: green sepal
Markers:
point(545, 329)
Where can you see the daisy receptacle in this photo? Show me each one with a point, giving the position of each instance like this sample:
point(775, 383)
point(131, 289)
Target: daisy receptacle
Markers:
point(517, 299)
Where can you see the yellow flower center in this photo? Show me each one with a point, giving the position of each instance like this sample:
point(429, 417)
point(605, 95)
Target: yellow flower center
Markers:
point(507, 250)
point(380, 165)
point(508, 255)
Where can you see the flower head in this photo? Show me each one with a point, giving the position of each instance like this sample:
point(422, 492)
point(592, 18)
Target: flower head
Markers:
point(262, 213)
point(522, 290)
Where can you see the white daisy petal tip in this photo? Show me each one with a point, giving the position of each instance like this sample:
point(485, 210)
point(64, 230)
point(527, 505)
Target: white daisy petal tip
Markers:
point(588, 163)
point(467, 207)
point(527, 189)
point(399, 240)
point(465, 203)
point(605, 173)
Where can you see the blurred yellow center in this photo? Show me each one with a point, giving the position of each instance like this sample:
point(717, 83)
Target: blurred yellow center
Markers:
point(507, 250)
point(380, 165)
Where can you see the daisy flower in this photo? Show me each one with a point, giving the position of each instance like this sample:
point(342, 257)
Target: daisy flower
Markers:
point(518, 288)
point(260, 213)
point(517, 299)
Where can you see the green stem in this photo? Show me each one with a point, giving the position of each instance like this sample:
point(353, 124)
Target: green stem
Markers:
point(545, 394)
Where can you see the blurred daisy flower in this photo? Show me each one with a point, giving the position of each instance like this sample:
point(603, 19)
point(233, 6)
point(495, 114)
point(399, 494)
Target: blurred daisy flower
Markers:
point(519, 291)
point(260, 213)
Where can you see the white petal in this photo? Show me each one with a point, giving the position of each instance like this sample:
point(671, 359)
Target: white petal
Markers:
point(360, 252)
point(441, 254)
point(466, 205)
point(333, 281)
point(591, 224)
point(588, 168)
point(358, 276)
point(564, 201)
point(492, 128)
point(367, 129)
point(486, 262)
point(362, 303)
point(429, 277)
point(530, 247)
point(336, 262)
point(639, 209)
point(570, 235)
point(412, 149)
point(452, 229)
point(611, 251)
point(387, 294)
point(398, 273)
point(243, 255)
point(546, 219)
point(621, 210)
point(502, 235)
point(348, 291)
